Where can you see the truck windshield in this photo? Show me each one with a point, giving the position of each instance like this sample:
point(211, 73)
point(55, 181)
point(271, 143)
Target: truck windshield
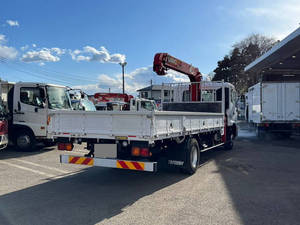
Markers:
point(148, 105)
point(58, 98)
point(3, 112)
point(88, 105)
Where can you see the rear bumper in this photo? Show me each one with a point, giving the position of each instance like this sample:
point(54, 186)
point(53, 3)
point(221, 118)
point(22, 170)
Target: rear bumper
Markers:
point(110, 163)
point(280, 127)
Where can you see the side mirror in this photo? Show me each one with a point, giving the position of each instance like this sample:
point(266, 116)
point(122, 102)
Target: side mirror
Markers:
point(42, 94)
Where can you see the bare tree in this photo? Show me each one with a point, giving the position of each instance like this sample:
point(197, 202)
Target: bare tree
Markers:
point(231, 67)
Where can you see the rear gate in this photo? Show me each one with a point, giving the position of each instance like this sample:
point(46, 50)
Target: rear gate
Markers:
point(292, 101)
point(280, 101)
point(271, 108)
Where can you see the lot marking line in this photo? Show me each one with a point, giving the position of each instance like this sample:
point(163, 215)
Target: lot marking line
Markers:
point(64, 175)
point(28, 169)
point(43, 166)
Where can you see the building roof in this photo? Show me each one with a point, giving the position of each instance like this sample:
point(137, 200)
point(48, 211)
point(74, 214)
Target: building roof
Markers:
point(153, 88)
point(283, 57)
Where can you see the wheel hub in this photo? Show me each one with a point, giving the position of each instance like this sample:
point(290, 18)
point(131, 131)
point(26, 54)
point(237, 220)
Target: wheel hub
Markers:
point(23, 141)
point(194, 157)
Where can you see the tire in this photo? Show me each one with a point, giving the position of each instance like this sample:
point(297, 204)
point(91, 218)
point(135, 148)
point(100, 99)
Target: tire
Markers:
point(229, 144)
point(285, 135)
point(25, 140)
point(192, 156)
point(260, 133)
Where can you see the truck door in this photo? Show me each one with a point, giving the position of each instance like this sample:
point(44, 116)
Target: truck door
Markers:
point(291, 101)
point(30, 108)
point(271, 107)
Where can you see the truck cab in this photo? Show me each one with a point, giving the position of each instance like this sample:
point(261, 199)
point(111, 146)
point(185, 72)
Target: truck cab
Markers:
point(29, 105)
point(142, 105)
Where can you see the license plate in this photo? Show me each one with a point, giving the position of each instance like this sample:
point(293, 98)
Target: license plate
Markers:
point(105, 150)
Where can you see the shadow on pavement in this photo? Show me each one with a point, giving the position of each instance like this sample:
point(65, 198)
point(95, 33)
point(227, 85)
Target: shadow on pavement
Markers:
point(262, 178)
point(85, 198)
point(92, 195)
point(11, 152)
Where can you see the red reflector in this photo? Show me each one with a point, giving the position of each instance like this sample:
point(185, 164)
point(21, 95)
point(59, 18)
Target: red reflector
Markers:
point(267, 125)
point(65, 146)
point(144, 152)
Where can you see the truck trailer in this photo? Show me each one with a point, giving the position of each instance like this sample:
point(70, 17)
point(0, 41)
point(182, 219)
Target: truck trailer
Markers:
point(273, 106)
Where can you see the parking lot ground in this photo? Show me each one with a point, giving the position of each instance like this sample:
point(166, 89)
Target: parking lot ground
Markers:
point(257, 182)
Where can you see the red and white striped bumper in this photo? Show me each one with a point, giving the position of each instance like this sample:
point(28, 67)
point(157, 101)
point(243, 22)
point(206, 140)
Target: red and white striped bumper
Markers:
point(110, 163)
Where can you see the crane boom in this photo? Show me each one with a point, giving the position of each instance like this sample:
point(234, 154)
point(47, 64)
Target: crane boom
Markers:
point(164, 61)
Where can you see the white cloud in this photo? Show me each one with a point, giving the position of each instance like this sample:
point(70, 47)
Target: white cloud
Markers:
point(2, 38)
point(102, 55)
point(134, 80)
point(25, 47)
point(44, 55)
point(58, 51)
point(12, 23)
point(277, 18)
point(34, 45)
point(6, 52)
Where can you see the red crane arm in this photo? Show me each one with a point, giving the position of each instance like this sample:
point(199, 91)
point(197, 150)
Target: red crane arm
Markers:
point(164, 61)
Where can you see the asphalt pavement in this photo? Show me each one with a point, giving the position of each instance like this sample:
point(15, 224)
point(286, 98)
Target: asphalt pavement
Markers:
point(257, 182)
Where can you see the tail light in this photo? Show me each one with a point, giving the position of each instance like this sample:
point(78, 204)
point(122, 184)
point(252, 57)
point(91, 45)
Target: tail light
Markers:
point(266, 125)
point(140, 151)
point(135, 151)
point(3, 127)
point(48, 120)
point(65, 146)
point(144, 152)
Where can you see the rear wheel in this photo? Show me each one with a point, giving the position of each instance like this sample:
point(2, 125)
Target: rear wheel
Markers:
point(285, 135)
point(192, 156)
point(260, 133)
point(229, 143)
point(25, 140)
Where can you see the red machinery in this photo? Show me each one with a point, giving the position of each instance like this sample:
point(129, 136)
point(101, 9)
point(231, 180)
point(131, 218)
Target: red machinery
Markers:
point(110, 97)
point(164, 61)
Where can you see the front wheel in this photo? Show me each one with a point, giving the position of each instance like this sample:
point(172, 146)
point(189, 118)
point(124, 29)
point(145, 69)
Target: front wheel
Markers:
point(25, 140)
point(192, 156)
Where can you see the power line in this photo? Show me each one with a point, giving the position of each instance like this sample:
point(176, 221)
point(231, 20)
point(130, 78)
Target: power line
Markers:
point(65, 79)
point(33, 74)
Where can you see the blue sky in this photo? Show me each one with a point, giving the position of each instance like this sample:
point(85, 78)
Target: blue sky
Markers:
point(79, 43)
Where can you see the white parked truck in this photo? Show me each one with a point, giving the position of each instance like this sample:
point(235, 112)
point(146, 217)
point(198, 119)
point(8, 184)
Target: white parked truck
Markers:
point(137, 138)
point(29, 104)
point(274, 106)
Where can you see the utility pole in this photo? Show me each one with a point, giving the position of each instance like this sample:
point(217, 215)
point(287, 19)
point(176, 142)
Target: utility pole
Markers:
point(151, 89)
point(123, 64)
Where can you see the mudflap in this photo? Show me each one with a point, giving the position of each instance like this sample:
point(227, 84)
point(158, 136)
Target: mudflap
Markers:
point(176, 155)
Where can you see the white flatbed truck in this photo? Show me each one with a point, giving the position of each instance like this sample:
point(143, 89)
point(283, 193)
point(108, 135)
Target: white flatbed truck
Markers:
point(136, 139)
point(28, 105)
